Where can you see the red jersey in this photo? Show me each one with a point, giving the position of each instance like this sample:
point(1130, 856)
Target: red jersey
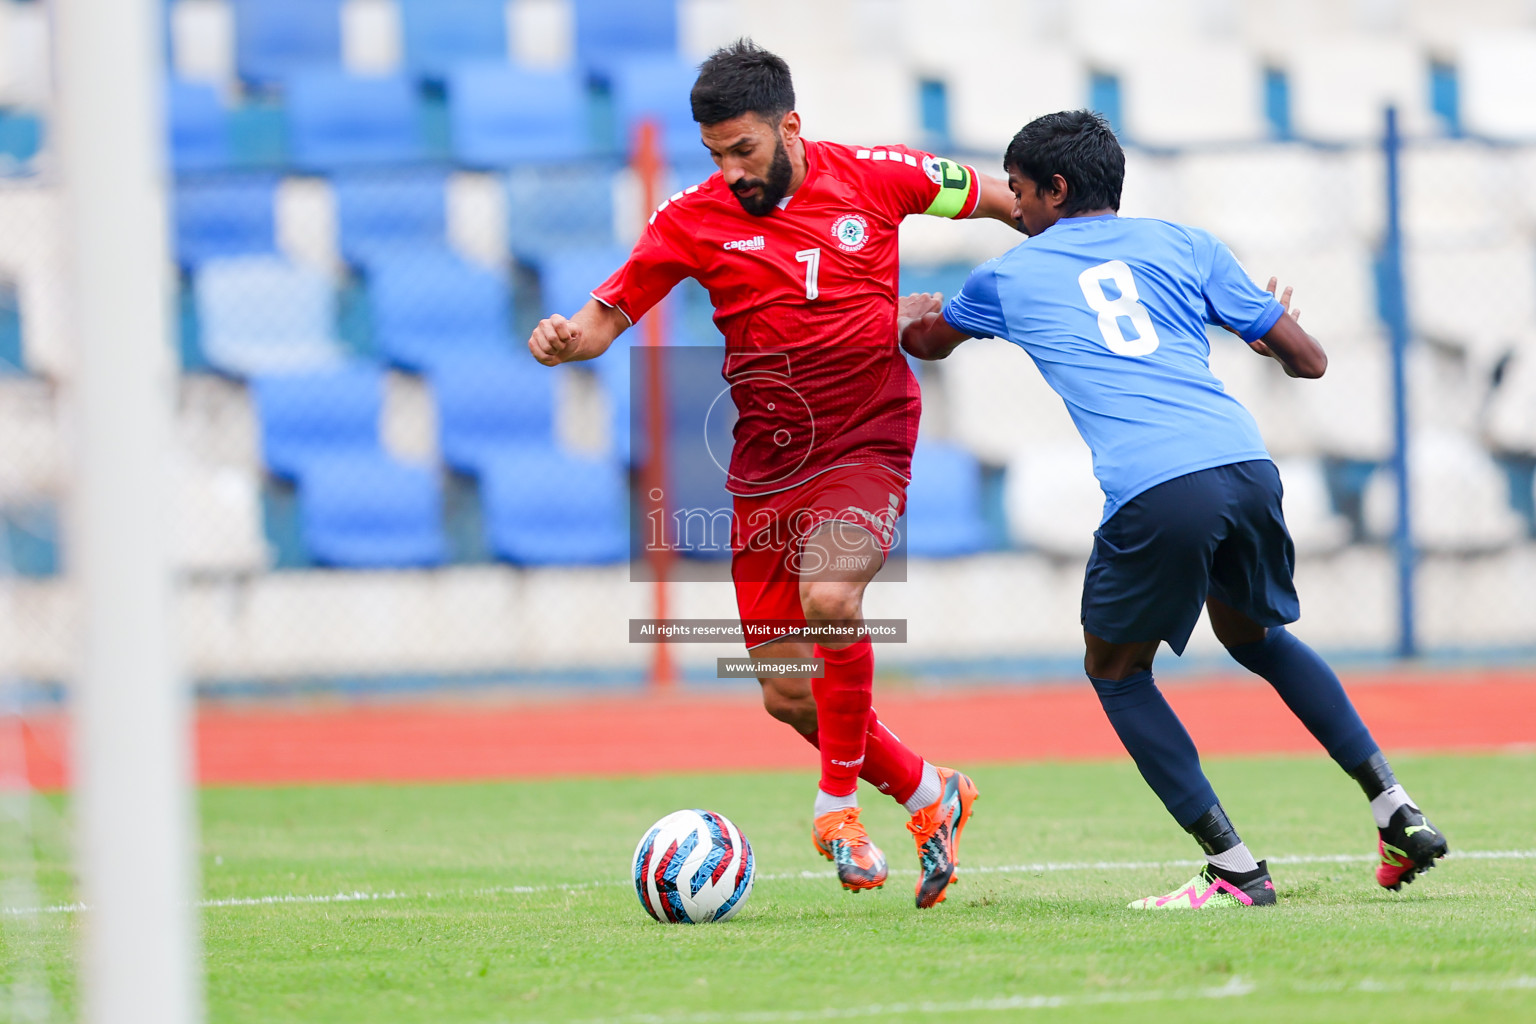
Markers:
point(806, 299)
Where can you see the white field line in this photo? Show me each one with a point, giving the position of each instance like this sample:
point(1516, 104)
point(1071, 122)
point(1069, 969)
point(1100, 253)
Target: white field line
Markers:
point(1044, 867)
point(1235, 988)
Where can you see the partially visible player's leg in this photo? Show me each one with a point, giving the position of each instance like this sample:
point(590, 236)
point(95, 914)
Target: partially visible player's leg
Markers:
point(889, 764)
point(1252, 595)
point(1145, 584)
point(840, 557)
point(1407, 842)
point(836, 563)
point(766, 595)
point(1167, 759)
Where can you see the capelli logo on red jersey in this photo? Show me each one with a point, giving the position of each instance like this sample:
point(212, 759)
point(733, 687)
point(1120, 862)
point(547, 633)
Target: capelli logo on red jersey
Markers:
point(755, 242)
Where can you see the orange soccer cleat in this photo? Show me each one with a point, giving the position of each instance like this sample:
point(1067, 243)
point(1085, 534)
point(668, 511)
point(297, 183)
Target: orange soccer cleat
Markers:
point(841, 838)
point(937, 829)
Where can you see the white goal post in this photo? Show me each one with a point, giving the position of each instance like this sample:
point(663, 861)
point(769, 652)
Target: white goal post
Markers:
point(131, 747)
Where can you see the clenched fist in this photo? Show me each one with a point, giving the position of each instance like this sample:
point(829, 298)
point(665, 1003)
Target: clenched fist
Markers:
point(556, 340)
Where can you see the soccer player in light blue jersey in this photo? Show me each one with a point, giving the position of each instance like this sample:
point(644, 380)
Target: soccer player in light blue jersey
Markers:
point(1113, 311)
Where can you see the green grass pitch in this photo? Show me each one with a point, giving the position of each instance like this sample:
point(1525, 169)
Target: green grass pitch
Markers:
point(509, 902)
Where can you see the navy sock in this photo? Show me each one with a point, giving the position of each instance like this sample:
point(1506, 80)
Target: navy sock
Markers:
point(1159, 744)
point(1313, 693)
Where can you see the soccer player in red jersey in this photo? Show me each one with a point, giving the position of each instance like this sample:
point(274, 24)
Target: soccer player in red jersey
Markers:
point(796, 243)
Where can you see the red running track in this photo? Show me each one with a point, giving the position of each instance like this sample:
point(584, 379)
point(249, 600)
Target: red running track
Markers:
point(617, 735)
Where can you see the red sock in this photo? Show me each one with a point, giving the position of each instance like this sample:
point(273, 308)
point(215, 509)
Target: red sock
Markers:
point(889, 764)
point(842, 714)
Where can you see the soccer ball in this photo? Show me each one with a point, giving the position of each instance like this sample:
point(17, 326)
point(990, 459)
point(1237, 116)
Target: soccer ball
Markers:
point(692, 867)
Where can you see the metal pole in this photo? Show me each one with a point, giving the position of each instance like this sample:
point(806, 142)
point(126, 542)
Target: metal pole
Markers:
point(1395, 309)
point(130, 709)
point(648, 165)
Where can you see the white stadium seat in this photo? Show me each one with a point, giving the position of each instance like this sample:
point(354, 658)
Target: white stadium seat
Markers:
point(217, 521)
point(1348, 600)
point(477, 217)
point(931, 35)
point(1001, 87)
point(1478, 297)
point(1443, 28)
point(1458, 191)
point(1497, 80)
point(1511, 414)
point(1053, 501)
point(370, 36)
point(1348, 413)
point(34, 464)
point(1284, 195)
point(1459, 496)
point(860, 100)
point(1261, 385)
point(1192, 92)
point(1341, 83)
point(26, 75)
point(32, 256)
point(306, 223)
point(932, 240)
point(542, 32)
point(704, 26)
point(203, 40)
point(998, 400)
point(1315, 527)
point(1275, 30)
point(1107, 32)
point(1477, 602)
point(1334, 287)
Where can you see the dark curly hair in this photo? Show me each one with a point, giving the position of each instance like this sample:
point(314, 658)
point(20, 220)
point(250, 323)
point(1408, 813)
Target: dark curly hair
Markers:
point(1080, 146)
point(742, 78)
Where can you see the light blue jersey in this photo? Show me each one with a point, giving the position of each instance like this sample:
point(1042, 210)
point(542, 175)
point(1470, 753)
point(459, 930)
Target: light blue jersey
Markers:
point(1113, 312)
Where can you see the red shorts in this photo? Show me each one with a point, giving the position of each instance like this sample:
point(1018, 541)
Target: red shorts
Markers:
point(767, 534)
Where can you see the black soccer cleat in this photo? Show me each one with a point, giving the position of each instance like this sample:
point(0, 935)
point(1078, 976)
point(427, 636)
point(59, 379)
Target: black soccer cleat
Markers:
point(1408, 845)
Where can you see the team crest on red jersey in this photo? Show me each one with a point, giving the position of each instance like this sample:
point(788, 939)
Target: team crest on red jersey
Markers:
point(851, 232)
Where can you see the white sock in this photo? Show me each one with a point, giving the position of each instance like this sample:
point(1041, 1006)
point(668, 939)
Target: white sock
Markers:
point(927, 790)
point(1387, 801)
point(1237, 859)
point(826, 802)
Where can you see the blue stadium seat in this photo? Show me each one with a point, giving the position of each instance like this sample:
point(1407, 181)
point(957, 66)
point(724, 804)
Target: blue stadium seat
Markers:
point(543, 507)
point(275, 38)
point(490, 404)
point(613, 375)
point(21, 135)
point(657, 88)
point(500, 115)
point(432, 305)
point(610, 31)
point(384, 212)
point(944, 506)
point(231, 215)
point(262, 314)
point(559, 209)
point(440, 34)
point(199, 127)
point(337, 120)
point(308, 416)
point(566, 279)
point(367, 511)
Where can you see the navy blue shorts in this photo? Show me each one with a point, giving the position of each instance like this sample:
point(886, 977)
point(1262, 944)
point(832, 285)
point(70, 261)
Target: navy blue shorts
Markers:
point(1217, 532)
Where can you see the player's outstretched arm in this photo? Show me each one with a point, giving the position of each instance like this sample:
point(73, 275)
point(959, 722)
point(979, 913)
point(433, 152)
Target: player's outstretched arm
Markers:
point(924, 332)
point(586, 335)
point(1289, 344)
point(997, 201)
